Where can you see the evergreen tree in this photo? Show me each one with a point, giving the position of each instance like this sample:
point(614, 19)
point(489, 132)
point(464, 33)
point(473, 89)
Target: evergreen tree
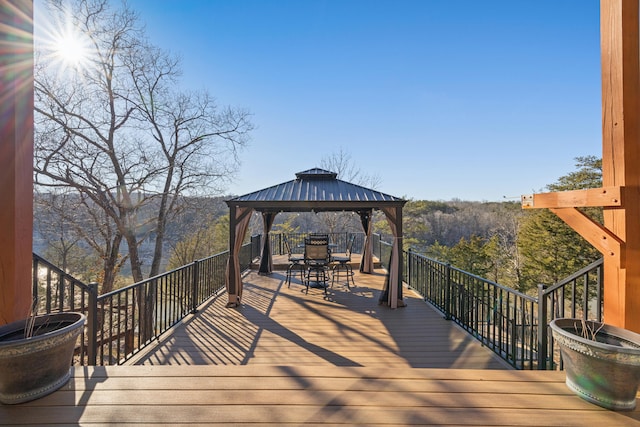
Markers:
point(476, 256)
point(550, 249)
point(439, 252)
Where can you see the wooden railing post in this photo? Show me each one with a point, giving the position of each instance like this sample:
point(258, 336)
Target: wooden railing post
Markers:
point(543, 337)
point(92, 324)
point(194, 287)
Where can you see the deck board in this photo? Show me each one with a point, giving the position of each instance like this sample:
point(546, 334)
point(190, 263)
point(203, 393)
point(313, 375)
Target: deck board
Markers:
point(286, 358)
point(306, 395)
point(280, 325)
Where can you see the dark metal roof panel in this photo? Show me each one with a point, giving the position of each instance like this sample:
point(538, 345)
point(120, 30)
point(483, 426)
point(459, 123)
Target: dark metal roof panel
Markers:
point(316, 185)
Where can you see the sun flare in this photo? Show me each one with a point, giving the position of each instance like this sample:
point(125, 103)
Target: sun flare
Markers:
point(70, 49)
point(64, 47)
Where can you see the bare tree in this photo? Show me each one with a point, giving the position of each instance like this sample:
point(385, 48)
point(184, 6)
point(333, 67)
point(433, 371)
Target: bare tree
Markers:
point(115, 129)
point(77, 237)
point(341, 163)
point(55, 226)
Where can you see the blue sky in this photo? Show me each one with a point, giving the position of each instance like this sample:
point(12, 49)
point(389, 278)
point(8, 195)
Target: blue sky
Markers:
point(442, 99)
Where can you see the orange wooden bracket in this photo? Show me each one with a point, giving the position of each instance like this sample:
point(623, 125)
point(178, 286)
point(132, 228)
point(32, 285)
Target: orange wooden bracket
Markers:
point(564, 204)
point(592, 197)
point(601, 238)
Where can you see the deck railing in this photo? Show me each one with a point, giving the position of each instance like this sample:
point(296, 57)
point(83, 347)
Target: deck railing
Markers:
point(57, 291)
point(503, 319)
point(578, 296)
point(122, 322)
point(296, 241)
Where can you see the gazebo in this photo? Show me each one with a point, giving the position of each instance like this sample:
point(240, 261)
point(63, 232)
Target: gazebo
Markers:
point(315, 190)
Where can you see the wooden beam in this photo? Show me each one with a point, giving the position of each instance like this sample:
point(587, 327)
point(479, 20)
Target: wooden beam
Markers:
point(621, 156)
point(609, 196)
point(619, 239)
point(16, 158)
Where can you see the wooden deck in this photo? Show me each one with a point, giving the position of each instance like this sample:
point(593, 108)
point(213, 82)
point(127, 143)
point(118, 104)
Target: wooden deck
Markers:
point(288, 358)
point(305, 395)
point(278, 325)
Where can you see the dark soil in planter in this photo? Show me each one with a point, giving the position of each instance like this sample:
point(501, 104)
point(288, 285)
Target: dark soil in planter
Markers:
point(605, 338)
point(40, 328)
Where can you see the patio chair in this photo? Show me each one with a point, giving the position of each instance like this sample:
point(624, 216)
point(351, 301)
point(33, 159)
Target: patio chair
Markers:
point(342, 264)
point(317, 258)
point(323, 236)
point(296, 263)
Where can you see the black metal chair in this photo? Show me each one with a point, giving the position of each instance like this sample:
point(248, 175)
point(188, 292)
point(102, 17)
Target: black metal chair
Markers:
point(342, 264)
point(316, 259)
point(296, 263)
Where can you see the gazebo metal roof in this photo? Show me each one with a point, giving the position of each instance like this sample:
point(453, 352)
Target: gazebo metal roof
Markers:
point(315, 189)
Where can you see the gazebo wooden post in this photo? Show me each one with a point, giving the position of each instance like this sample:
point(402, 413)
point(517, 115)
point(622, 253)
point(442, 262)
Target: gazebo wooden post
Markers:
point(619, 239)
point(232, 273)
point(16, 158)
point(400, 267)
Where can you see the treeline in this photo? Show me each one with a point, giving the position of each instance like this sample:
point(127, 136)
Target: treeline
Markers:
point(71, 233)
point(501, 241)
point(496, 240)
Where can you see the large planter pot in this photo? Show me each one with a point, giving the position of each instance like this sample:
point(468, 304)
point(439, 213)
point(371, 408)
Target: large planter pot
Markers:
point(603, 368)
point(40, 364)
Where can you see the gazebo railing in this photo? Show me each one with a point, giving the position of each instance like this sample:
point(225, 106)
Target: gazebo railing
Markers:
point(296, 241)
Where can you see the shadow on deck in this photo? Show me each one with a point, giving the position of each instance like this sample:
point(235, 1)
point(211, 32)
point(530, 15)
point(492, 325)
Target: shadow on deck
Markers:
point(303, 359)
point(278, 325)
